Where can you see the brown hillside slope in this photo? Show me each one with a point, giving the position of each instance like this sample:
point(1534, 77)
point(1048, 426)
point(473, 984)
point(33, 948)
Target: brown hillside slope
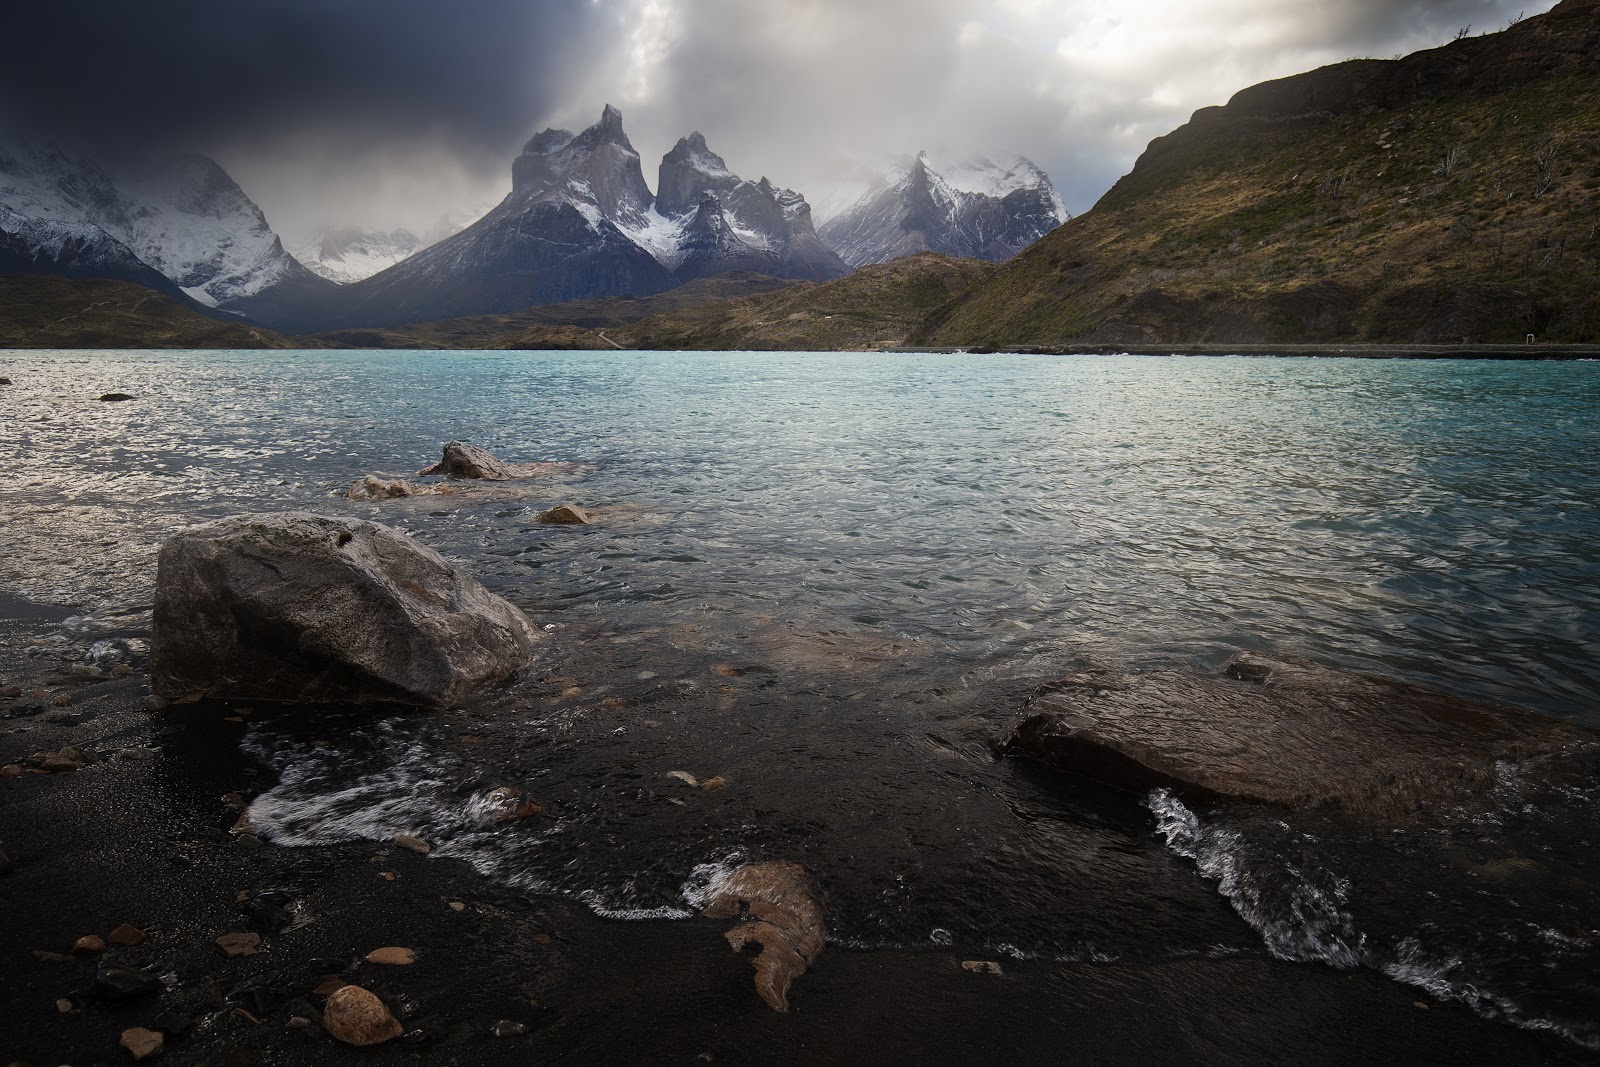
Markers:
point(1450, 196)
point(876, 307)
point(45, 311)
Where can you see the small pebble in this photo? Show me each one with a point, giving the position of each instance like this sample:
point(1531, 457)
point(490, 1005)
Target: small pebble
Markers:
point(392, 955)
point(61, 700)
point(456, 905)
point(981, 967)
point(11, 691)
point(507, 1028)
point(122, 670)
point(11, 770)
point(89, 943)
point(63, 1005)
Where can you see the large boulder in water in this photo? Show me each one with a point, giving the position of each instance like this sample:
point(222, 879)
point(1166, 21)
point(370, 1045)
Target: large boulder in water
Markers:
point(1285, 732)
point(301, 607)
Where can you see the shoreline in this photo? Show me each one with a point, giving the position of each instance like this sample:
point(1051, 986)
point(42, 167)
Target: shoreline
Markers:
point(1507, 353)
point(140, 835)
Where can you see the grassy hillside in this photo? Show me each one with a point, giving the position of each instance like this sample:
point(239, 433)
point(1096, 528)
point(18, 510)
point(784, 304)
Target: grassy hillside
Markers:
point(45, 311)
point(878, 306)
point(1451, 196)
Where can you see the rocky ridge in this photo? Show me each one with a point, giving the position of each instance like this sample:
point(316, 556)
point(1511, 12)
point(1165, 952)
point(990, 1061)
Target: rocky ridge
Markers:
point(581, 223)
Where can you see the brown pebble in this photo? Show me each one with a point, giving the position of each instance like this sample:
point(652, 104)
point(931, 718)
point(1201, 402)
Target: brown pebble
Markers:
point(235, 945)
point(393, 955)
point(141, 1042)
point(40, 694)
point(456, 905)
point(55, 763)
point(711, 785)
point(981, 967)
point(126, 935)
point(61, 700)
point(11, 691)
point(728, 670)
point(89, 943)
point(572, 691)
point(388, 875)
point(122, 670)
point(11, 770)
point(356, 1017)
point(63, 1005)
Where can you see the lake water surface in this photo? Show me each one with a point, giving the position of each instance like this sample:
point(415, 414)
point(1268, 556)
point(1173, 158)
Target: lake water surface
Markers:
point(832, 579)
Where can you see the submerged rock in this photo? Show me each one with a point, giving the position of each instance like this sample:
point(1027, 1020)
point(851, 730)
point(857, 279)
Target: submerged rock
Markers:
point(112, 398)
point(566, 515)
point(357, 1017)
point(1285, 732)
point(372, 487)
point(124, 983)
point(299, 607)
point(463, 460)
point(780, 914)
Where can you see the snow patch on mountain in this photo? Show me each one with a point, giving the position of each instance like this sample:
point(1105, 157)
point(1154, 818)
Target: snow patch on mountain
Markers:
point(976, 208)
point(184, 217)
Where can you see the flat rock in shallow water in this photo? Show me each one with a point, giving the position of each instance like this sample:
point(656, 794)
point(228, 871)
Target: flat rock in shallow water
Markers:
point(1282, 731)
point(299, 607)
point(781, 915)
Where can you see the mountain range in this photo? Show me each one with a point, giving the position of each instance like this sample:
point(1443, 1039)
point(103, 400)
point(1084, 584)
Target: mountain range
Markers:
point(580, 222)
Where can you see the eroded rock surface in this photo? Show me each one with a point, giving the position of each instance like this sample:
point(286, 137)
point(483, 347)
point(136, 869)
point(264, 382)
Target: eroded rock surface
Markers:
point(566, 515)
point(463, 460)
point(781, 914)
point(372, 487)
point(300, 607)
point(1285, 732)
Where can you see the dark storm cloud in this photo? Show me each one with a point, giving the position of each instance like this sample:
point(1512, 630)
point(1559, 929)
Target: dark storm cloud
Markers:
point(199, 73)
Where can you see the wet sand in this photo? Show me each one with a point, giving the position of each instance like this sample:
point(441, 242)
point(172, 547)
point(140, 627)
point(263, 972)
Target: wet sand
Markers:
point(141, 837)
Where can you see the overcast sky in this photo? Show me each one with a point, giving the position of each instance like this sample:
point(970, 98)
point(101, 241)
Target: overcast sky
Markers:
point(391, 112)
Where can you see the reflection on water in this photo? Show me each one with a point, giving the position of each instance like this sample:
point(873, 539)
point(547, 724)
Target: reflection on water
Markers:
point(830, 579)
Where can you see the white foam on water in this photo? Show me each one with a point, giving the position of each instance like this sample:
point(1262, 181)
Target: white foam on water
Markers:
point(1316, 927)
point(1313, 928)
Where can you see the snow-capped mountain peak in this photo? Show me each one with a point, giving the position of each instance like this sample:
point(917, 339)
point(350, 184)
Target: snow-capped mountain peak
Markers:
point(184, 217)
point(976, 208)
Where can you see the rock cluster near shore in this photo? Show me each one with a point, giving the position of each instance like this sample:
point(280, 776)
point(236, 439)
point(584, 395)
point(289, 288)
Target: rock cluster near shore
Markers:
point(1285, 732)
point(298, 607)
